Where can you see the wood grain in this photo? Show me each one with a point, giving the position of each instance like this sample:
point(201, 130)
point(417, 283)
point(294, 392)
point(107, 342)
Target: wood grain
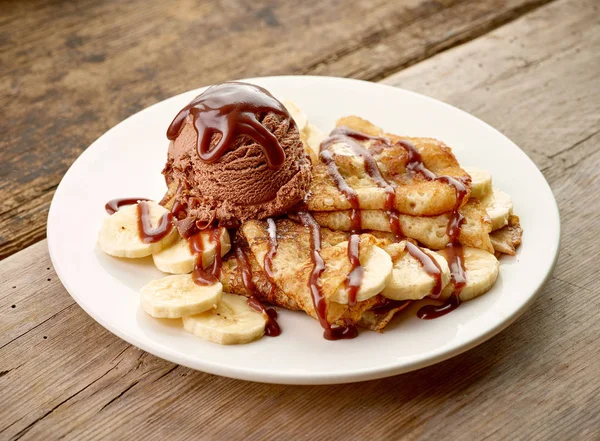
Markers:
point(71, 70)
point(63, 375)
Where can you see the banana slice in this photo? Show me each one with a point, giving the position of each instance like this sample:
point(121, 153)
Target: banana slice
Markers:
point(120, 236)
point(481, 182)
point(298, 115)
point(231, 322)
point(178, 296)
point(409, 281)
point(499, 208)
point(377, 266)
point(178, 259)
point(481, 271)
point(310, 135)
point(314, 138)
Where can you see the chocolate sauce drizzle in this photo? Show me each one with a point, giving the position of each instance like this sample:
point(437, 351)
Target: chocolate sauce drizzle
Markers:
point(388, 305)
point(113, 205)
point(342, 185)
point(350, 137)
point(232, 109)
point(272, 328)
point(346, 331)
point(430, 266)
point(272, 248)
point(355, 277)
point(201, 276)
point(415, 164)
point(147, 233)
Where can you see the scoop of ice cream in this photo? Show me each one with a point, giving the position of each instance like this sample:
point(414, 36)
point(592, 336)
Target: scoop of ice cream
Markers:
point(240, 184)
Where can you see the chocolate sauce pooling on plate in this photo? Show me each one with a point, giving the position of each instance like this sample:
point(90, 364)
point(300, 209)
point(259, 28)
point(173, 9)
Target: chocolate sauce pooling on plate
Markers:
point(113, 205)
point(232, 109)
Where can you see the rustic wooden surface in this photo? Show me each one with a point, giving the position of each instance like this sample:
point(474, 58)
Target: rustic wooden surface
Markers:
point(71, 70)
point(535, 78)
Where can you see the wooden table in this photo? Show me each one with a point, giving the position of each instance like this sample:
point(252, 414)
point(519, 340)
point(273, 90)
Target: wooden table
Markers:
point(71, 70)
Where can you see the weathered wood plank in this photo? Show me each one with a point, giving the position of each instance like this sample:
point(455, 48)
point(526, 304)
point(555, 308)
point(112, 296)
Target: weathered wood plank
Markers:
point(71, 71)
point(535, 381)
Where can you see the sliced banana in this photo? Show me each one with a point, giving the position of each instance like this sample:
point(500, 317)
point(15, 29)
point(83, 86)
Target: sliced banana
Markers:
point(409, 281)
point(499, 208)
point(481, 182)
point(298, 115)
point(178, 259)
point(377, 267)
point(314, 138)
point(231, 322)
point(178, 296)
point(120, 236)
point(481, 271)
point(310, 134)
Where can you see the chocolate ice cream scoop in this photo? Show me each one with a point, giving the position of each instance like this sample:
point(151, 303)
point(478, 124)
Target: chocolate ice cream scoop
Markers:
point(235, 154)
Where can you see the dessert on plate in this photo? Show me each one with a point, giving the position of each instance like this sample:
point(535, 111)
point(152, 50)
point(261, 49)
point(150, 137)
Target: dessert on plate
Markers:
point(264, 211)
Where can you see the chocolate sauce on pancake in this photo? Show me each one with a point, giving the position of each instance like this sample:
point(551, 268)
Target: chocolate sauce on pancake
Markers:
point(388, 305)
point(415, 164)
point(330, 333)
point(230, 110)
point(350, 137)
point(342, 185)
point(272, 328)
point(272, 247)
point(355, 277)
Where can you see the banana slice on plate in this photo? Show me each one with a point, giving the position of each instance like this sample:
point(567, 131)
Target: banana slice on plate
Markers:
point(499, 208)
point(179, 259)
point(409, 280)
point(481, 182)
point(119, 235)
point(231, 322)
point(178, 296)
point(481, 271)
point(377, 267)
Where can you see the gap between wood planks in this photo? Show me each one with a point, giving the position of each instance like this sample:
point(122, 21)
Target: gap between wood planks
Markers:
point(442, 45)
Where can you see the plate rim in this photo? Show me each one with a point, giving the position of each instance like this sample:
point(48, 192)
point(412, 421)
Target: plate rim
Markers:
point(313, 378)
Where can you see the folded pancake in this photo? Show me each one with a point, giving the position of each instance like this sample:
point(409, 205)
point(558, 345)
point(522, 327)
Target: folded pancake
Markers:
point(291, 267)
point(414, 194)
point(430, 231)
point(508, 238)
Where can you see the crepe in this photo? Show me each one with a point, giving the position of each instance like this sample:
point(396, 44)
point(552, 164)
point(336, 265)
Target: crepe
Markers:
point(430, 231)
point(415, 195)
point(291, 268)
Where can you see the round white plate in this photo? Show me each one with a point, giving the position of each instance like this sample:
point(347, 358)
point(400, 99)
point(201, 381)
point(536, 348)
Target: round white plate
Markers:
point(127, 162)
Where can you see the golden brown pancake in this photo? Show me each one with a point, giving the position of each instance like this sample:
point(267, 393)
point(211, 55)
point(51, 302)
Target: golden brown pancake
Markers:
point(415, 195)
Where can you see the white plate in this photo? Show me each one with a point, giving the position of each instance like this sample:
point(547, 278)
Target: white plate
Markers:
point(127, 161)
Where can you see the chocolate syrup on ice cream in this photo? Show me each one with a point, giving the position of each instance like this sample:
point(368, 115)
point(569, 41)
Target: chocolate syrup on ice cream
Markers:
point(232, 109)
